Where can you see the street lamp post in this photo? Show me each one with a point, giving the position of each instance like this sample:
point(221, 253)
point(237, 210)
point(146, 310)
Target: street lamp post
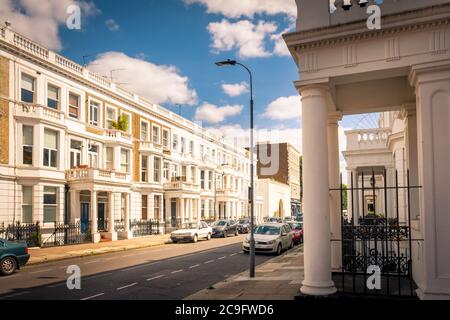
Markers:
point(252, 185)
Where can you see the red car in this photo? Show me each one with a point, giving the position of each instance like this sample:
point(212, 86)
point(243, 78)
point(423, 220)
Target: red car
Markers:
point(297, 230)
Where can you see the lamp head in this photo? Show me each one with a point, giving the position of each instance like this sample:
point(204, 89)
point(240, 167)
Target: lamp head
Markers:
point(226, 63)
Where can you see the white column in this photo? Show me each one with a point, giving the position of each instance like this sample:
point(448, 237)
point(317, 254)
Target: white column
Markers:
point(127, 233)
point(227, 210)
point(111, 234)
point(94, 217)
point(335, 196)
point(182, 217)
point(168, 208)
point(317, 250)
point(74, 205)
point(199, 209)
point(431, 261)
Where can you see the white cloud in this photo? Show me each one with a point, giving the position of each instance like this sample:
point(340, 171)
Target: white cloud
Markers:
point(281, 48)
point(248, 8)
point(112, 25)
point(235, 90)
point(214, 114)
point(157, 83)
point(284, 108)
point(40, 20)
point(246, 37)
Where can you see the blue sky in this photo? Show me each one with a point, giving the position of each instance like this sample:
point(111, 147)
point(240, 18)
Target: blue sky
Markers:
point(165, 51)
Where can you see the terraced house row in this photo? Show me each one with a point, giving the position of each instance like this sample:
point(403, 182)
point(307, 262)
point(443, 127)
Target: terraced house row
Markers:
point(76, 147)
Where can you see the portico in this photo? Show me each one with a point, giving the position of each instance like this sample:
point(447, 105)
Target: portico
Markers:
point(346, 69)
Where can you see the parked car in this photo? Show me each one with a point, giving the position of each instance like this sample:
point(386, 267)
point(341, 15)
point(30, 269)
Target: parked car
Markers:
point(297, 229)
point(274, 220)
point(192, 232)
point(224, 228)
point(271, 238)
point(243, 226)
point(13, 256)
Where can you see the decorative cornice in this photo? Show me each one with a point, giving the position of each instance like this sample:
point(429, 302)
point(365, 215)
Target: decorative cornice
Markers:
point(355, 31)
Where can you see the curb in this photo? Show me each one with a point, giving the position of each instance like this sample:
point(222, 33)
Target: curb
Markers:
point(93, 252)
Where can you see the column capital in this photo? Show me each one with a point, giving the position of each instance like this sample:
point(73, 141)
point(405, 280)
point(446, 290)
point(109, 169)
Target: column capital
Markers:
point(312, 90)
point(334, 117)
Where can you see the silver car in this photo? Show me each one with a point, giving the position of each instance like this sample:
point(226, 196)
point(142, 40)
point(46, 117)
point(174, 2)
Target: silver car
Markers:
point(271, 238)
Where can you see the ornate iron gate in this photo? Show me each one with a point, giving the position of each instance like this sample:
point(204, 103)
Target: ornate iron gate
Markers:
point(376, 242)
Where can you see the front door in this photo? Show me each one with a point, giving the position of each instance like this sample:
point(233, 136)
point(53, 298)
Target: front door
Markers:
point(84, 217)
point(101, 217)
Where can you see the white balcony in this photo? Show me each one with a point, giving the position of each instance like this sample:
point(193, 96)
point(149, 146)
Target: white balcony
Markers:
point(96, 175)
point(227, 193)
point(182, 186)
point(148, 146)
point(367, 139)
point(117, 135)
point(36, 111)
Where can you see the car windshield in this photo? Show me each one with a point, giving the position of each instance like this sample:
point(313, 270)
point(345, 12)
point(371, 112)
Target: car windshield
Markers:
point(220, 223)
point(243, 221)
point(267, 230)
point(189, 226)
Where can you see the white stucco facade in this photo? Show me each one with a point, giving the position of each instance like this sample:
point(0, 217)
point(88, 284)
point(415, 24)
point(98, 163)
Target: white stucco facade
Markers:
point(277, 198)
point(345, 68)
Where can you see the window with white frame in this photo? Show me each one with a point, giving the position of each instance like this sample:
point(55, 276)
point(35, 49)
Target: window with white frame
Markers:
point(110, 117)
point(174, 170)
point(203, 209)
point(124, 160)
point(94, 113)
point(75, 153)
point(156, 135)
point(191, 147)
point(109, 161)
point(27, 88)
point(210, 180)
point(27, 145)
point(202, 179)
point(166, 138)
point(27, 204)
point(144, 131)
point(74, 105)
point(93, 155)
point(144, 207)
point(157, 207)
point(175, 143)
point(157, 169)
point(183, 145)
point(166, 169)
point(50, 197)
point(144, 168)
point(50, 148)
point(53, 96)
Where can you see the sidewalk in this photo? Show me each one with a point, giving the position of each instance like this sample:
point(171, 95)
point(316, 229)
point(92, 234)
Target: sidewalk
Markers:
point(277, 279)
point(42, 255)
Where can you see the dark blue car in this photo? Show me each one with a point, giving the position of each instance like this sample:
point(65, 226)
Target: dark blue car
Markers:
point(13, 255)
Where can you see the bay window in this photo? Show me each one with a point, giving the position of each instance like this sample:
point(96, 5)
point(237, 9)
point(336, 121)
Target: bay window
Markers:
point(93, 155)
point(157, 208)
point(144, 131)
point(109, 158)
point(50, 148)
point(94, 113)
point(124, 160)
point(166, 139)
point(157, 169)
point(75, 153)
point(27, 204)
point(144, 168)
point(74, 106)
point(111, 117)
point(27, 145)
point(27, 88)
point(166, 169)
point(53, 97)
point(156, 136)
point(50, 196)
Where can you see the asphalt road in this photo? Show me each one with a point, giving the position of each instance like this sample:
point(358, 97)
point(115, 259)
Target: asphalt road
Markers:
point(172, 271)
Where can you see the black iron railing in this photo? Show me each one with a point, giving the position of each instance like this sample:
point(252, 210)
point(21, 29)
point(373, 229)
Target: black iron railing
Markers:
point(64, 234)
point(378, 235)
point(142, 228)
point(30, 233)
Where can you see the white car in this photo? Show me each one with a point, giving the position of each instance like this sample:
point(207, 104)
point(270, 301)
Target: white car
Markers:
point(192, 232)
point(271, 238)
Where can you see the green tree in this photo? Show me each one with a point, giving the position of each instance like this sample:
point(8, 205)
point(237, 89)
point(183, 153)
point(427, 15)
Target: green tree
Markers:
point(344, 196)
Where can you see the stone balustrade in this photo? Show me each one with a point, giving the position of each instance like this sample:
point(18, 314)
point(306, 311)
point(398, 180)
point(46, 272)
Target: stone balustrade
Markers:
point(94, 174)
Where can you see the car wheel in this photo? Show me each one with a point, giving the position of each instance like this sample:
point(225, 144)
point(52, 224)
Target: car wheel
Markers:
point(174, 241)
point(195, 239)
point(8, 266)
point(208, 237)
point(279, 249)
